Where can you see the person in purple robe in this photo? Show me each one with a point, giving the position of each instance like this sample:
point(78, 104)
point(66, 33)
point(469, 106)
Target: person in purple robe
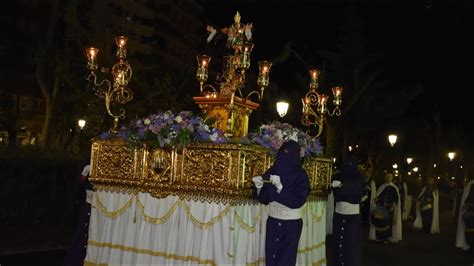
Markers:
point(285, 188)
point(77, 251)
point(348, 186)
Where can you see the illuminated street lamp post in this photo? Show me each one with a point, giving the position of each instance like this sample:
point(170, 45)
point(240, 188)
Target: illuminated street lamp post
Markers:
point(392, 139)
point(451, 156)
point(282, 108)
point(81, 123)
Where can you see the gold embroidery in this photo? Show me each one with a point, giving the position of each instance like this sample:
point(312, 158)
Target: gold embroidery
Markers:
point(262, 260)
point(320, 262)
point(112, 214)
point(88, 263)
point(313, 247)
point(257, 262)
point(158, 220)
point(316, 217)
point(151, 252)
point(204, 225)
point(245, 226)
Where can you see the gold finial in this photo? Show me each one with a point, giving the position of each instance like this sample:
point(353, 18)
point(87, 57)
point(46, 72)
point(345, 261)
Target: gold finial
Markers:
point(237, 18)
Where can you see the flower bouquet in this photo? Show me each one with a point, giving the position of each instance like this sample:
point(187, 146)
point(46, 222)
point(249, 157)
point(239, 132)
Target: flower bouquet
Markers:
point(273, 135)
point(167, 129)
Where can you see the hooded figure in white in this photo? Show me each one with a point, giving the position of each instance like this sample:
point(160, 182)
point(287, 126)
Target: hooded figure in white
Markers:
point(396, 225)
point(428, 204)
point(461, 232)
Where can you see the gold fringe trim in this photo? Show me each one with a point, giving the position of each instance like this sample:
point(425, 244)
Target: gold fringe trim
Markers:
point(262, 260)
point(204, 225)
point(313, 247)
point(88, 263)
point(249, 228)
point(320, 262)
point(256, 263)
point(316, 217)
point(158, 220)
point(151, 253)
point(112, 214)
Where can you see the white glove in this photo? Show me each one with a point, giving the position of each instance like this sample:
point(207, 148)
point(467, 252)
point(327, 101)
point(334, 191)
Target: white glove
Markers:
point(275, 179)
point(336, 183)
point(258, 181)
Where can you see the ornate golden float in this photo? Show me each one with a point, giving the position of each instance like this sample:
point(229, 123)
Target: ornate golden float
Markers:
point(201, 171)
point(214, 172)
point(200, 191)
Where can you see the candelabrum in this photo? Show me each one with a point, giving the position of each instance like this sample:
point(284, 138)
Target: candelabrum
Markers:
point(231, 79)
point(115, 91)
point(319, 101)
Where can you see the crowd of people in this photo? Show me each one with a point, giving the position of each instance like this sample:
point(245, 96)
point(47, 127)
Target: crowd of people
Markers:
point(358, 201)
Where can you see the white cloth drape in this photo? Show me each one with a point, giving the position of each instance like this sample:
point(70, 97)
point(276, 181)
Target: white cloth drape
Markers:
point(330, 213)
point(397, 217)
point(143, 230)
point(418, 223)
point(461, 234)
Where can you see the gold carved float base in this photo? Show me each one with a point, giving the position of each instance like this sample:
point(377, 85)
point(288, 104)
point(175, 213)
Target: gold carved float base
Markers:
point(201, 171)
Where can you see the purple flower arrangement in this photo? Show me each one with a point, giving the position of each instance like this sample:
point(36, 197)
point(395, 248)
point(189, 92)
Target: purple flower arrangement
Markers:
point(167, 129)
point(273, 135)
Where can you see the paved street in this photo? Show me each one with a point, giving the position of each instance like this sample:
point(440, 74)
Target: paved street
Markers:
point(417, 248)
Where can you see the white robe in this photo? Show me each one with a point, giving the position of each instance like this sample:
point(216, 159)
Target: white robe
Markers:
point(461, 234)
point(397, 217)
point(418, 224)
point(406, 204)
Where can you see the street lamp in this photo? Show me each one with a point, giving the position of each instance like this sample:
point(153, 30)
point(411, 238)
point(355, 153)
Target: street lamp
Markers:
point(81, 123)
point(415, 169)
point(451, 156)
point(409, 160)
point(395, 166)
point(282, 108)
point(392, 139)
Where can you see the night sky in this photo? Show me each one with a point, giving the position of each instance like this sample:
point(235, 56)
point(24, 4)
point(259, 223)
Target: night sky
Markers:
point(424, 48)
point(424, 43)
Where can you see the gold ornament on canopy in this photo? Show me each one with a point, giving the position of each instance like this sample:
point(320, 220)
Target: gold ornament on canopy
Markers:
point(115, 91)
point(231, 111)
point(315, 99)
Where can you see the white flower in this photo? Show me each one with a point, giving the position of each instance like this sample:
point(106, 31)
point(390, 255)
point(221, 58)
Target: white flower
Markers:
point(147, 121)
point(279, 134)
point(178, 119)
point(206, 127)
point(213, 136)
point(294, 136)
